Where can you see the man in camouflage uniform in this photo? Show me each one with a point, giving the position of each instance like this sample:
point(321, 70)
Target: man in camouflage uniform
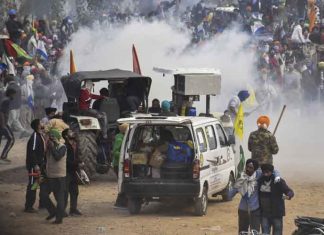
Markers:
point(262, 144)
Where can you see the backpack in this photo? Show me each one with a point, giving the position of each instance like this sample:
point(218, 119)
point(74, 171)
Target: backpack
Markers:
point(179, 152)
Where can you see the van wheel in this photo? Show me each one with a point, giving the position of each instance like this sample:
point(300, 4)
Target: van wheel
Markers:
point(134, 205)
point(225, 194)
point(201, 203)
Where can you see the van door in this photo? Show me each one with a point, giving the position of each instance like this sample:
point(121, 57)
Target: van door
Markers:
point(211, 157)
point(225, 161)
point(203, 156)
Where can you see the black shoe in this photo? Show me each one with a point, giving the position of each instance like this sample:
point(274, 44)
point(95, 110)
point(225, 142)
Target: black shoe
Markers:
point(30, 210)
point(75, 212)
point(57, 222)
point(50, 217)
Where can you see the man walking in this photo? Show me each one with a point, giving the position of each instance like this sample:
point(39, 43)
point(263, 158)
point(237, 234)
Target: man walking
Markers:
point(249, 208)
point(15, 107)
point(35, 160)
point(72, 165)
point(56, 173)
point(272, 202)
point(249, 212)
point(4, 128)
point(262, 144)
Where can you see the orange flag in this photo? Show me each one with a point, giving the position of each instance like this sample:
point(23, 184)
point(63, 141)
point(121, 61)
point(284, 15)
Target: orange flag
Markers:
point(311, 14)
point(72, 64)
point(136, 65)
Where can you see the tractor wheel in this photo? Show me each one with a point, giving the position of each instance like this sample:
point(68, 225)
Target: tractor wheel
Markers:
point(88, 150)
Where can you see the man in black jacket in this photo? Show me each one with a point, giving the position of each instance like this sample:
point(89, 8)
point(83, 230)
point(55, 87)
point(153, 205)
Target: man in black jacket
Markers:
point(34, 163)
point(272, 203)
point(72, 165)
point(14, 27)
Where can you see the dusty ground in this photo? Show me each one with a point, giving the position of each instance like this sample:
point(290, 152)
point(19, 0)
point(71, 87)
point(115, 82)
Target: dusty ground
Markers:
point(96, 202)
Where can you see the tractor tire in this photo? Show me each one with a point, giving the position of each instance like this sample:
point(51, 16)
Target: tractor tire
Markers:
point(88, 150)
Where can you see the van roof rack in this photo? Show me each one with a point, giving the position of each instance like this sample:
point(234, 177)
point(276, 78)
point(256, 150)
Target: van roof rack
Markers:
point(153, 117)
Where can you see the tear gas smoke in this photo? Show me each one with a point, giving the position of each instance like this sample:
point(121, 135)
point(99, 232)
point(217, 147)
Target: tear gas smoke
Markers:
point(159, 44)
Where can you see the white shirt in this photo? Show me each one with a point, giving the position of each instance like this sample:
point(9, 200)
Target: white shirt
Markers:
point(297, 35)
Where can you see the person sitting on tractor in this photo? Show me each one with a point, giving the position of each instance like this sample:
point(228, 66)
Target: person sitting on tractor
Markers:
point(86, 96)
point(104, 92)
point(134, 95)
point(84, 105)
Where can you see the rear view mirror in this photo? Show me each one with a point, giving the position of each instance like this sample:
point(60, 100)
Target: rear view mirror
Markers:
point(231, 139)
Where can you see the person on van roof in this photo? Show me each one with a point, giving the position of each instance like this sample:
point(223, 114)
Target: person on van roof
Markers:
point(156, 108)
point(166, 109)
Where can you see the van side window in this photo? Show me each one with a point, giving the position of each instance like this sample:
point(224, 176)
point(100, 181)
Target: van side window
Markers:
point(211, 137)
point(201, 140)
point(221, 135)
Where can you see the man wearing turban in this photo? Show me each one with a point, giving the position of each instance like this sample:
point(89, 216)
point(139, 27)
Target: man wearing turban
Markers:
point(262, 144)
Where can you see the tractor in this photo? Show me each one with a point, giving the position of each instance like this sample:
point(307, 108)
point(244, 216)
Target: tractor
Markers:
point(93, 149)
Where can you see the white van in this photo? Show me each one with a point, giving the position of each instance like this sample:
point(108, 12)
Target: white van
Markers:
point(181, 157)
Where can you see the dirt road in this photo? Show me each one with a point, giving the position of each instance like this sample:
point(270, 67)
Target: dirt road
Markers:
point(96, 202)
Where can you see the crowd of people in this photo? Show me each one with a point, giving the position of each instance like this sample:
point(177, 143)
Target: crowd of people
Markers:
point(31, 94)
point(29, 51)
point(282, 36)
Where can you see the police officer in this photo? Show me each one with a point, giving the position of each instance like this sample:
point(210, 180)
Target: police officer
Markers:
point(262, 144)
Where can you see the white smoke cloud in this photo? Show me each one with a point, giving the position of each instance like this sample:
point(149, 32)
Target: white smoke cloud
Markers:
point(161, 45)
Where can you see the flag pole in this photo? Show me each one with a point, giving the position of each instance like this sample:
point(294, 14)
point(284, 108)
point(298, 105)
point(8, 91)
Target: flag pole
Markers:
point(281, 114)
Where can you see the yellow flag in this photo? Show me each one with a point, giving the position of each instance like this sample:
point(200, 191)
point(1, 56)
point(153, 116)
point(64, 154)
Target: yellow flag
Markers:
point(251, 101)
point(239, 123)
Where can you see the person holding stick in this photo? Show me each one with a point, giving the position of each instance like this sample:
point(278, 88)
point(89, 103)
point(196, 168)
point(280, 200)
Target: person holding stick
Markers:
point(262, 143)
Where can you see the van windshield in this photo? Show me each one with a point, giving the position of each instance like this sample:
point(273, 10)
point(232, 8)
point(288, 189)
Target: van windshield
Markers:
point(156, 135)
point(162, 152)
